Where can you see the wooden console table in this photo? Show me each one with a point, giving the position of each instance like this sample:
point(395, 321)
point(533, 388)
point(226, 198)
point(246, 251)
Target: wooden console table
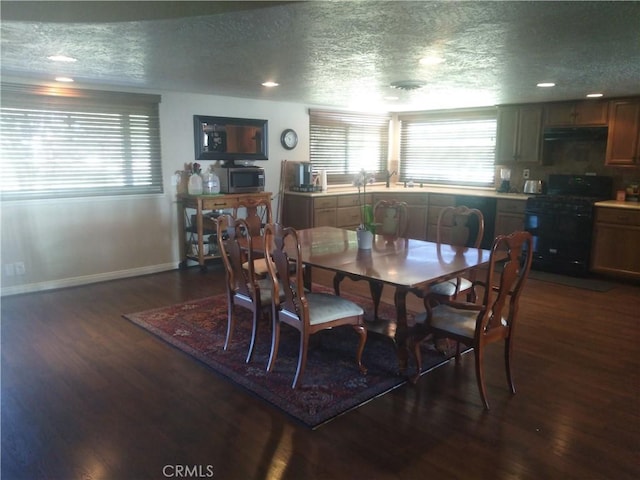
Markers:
point(196, 222)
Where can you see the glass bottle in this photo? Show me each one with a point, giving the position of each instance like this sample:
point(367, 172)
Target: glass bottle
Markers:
point(195, 184)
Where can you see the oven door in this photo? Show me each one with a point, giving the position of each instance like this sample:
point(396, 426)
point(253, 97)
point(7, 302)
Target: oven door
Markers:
point(561, 241)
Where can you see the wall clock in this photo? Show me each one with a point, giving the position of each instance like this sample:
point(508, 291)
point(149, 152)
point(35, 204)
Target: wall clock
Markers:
point(289, 139)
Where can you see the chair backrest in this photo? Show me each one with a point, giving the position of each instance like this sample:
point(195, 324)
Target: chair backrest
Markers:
point(257, 214)
point(509, 267)
point(390, 217)
point(279, 242)
point(457, 226)
point(236, 249)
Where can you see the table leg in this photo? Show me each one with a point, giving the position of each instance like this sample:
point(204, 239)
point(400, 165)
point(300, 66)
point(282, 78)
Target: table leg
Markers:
point(400, 300)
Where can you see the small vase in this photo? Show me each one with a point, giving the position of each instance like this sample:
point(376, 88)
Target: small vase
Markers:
point(365, 239)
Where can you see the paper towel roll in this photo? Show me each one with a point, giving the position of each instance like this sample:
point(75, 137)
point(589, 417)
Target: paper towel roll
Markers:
point(323, 180)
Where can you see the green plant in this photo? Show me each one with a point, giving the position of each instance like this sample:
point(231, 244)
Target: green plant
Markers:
point(361, 181)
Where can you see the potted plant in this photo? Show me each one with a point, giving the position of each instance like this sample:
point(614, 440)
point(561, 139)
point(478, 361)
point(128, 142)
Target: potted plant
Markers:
point(367, 227)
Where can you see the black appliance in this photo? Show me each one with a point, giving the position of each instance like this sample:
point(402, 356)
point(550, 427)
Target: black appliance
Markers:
point(561, 222)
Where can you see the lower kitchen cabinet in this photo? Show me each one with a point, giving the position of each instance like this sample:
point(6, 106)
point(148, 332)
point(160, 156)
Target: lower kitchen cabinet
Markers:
point(436, 203)
point(615, 248)
point(509, 216)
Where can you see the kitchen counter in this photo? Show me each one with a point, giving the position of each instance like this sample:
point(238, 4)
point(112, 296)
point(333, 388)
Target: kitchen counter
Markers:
point(618, 204)
point(480, 192)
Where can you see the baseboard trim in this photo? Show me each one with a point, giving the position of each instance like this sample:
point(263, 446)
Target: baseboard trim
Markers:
point(85, 280)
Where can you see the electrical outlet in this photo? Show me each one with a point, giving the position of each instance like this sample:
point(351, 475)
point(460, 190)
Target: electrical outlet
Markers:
point(20, 270)
point(9, 270)
point(525, 173)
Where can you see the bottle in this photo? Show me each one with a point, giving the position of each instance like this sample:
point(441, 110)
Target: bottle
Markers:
point(195, 184)
point(214, 183)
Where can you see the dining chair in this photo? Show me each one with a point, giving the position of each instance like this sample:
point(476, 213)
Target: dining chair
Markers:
point(391, 220)
point(305, 311)
point(455, 227)
point(485, 321)
point(257, 213)
point(244, 288)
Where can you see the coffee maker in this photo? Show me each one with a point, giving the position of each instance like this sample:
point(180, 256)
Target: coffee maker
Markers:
point(303, 174)
point(505, 183)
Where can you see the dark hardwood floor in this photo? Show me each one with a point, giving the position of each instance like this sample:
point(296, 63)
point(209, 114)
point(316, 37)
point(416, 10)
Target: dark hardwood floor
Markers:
point(88, 395)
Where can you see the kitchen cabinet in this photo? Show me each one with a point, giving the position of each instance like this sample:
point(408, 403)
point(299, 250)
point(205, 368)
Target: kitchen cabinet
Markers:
point(416, 211)
point(304, 211)
point(509, 216)
point(616, 238)
point(519, 132)
point(623, 141)
point(197, 225)
point(582, 113)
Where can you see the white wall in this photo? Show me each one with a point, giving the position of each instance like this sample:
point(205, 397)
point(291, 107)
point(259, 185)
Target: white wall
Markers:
point(76, 241)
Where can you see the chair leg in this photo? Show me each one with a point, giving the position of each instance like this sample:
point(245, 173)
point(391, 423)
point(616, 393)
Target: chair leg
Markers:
point(337, 278)
point(376, 293)
point(302, 358)
point(360, 330)
point(418, 355)
point(230, 321)
point(479, 354)
point(275, 343)
point(507, 362)
point(254, 331)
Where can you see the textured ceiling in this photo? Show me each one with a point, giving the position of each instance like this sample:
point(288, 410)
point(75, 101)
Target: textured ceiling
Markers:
point(342, 54)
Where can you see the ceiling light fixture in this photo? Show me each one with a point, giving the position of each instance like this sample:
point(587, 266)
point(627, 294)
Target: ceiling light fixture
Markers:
point(594, 95)
point(431, 60)
point(546, 84)
point(270, 84)
point(408, 85)
point(62, 58)
point(64, 79)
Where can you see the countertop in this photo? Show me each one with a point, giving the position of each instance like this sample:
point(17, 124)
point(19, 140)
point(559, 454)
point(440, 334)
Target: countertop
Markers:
point(618, 204)
point(478, 192)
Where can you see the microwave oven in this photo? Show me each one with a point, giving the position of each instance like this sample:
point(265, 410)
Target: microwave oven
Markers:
point(240, 179)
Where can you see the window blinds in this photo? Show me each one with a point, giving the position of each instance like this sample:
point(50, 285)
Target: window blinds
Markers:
point(343, 143)
point(70, 143)
point(455, 148)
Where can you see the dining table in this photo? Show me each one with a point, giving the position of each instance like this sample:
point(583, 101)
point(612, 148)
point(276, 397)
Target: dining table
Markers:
point(407, 265)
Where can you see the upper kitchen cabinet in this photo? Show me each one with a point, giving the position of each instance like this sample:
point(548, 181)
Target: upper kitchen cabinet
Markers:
point(623, 141)
point(587, 112)
point(519, 134)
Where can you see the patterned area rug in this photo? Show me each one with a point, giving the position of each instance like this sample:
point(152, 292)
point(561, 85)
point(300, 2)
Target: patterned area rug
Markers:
point(331, 384)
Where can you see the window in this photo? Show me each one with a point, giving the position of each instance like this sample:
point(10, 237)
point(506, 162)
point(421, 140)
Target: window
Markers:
point(455, 147)
point(343, 143)
point(76, 143)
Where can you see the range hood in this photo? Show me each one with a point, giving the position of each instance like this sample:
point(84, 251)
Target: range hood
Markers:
point(574, 134)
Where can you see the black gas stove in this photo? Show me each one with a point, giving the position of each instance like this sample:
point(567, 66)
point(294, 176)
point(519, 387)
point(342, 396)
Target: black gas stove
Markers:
point(561, 222)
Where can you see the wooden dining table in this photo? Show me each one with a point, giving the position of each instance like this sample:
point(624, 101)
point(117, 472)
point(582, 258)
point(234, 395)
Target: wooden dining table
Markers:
point(406, 264)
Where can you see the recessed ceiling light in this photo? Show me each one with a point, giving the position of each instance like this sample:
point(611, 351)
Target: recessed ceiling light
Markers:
point(546, 84)
point(64, 79)
point(594, 95)
point(270, 84)
point(62, 58)
point(431, 60)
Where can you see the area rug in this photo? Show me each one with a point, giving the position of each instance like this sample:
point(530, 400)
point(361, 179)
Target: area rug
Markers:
point(331, 385)
point(585, 283)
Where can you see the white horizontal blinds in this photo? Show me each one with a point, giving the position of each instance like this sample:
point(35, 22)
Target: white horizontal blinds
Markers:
point(78, 143)
point(449, 148)
point(343, 143)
